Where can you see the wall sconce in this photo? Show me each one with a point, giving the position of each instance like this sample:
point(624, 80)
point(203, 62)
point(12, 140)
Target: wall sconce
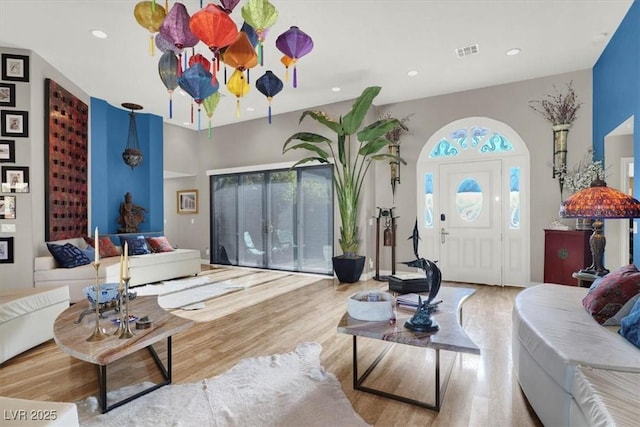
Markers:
point(132, 155)
point(560, 133)
point(394, 149)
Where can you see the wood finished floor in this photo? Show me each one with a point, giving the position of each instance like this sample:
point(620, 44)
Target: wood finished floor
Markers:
point(482, 389)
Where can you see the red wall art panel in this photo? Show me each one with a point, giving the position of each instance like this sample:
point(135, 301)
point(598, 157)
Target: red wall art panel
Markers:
point(66, 129)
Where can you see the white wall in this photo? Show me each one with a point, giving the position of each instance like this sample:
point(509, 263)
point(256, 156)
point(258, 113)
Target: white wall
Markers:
point(256, 142)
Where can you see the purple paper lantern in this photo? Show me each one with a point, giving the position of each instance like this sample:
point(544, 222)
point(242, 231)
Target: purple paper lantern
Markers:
point(294, 43)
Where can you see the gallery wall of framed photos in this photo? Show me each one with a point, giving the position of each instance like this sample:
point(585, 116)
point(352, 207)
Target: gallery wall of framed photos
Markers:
point(14, 136)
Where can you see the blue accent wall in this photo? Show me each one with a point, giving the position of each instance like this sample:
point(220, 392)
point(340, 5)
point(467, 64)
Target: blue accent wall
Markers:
point(616, 91)
point(111, 178)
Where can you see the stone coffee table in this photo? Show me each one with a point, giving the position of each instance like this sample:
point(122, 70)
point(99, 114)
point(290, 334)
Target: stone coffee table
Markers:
point(72, 339)
point(450, 337)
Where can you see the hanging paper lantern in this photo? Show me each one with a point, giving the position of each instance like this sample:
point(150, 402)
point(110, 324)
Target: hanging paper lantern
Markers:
point(238, 86)
point(175, 29)
point(215, 28)
point(287, 62)
point(196, 81)
point(251, 33)
point(165, 45)
point(210, 103)
point(240, 54)
point(149, 15)
point(168, 70)
point(294, 43)
point(269, 85)
point(260, 14)
point(229, 5)
point(199, 59)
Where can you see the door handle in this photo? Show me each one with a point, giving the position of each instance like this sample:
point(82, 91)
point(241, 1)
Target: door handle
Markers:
point(442, 234)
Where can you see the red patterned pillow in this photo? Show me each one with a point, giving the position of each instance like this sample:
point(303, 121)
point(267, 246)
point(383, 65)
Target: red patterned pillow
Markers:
point(107, 248)
point(159, 244)
point(608, 294)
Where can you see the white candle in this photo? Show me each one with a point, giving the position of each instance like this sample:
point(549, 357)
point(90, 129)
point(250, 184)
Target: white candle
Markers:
point(96, 257)
point(126, 259)
point(121, 266)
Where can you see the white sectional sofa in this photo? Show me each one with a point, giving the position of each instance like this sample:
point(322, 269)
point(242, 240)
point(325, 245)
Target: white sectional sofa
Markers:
point(573, 371)
point(27, 316)
point(144, 269)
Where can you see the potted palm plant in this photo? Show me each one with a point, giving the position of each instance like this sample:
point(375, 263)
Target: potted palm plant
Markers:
point(350, 167)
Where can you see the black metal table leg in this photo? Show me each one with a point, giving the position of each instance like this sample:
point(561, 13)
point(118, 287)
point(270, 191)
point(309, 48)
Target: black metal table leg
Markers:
point(164, 370)
point(358, 381)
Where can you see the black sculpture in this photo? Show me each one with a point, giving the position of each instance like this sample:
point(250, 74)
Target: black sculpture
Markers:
point(422, 320)
point(130, 215)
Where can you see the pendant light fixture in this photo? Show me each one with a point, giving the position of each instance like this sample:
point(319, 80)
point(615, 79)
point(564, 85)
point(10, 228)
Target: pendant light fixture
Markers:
point(132, 155)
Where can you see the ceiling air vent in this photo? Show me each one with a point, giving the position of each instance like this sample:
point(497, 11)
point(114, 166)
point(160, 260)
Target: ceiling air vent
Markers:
point(474, 49)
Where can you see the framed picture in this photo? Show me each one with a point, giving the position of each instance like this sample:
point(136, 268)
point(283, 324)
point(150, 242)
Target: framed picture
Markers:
point(14, 123)
point(188, 202)
point(15, 179)
point(7, 151)
point(6, 250)
point(7, 95)
point(7, 207)
point(15, 67)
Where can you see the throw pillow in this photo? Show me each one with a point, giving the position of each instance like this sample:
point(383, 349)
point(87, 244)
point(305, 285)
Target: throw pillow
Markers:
point(107, 248)
point(630, 325)
point(607, 295)
point(159, 244)
point(89, 252)
point(67, 255)
point(137, 245)
point(624, 311)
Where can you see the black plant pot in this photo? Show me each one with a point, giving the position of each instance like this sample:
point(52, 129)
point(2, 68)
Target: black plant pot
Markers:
point(348, 270)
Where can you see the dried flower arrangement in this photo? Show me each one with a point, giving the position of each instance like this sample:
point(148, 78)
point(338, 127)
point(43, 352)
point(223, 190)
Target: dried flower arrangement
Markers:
point(395, 134)
point(584, 173)
point(558, 108)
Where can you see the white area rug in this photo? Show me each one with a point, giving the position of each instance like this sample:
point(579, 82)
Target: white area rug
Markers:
point(190, 293)
point(282, 390)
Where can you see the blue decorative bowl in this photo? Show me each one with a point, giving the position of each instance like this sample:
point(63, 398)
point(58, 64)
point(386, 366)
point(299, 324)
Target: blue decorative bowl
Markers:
point(108, 293)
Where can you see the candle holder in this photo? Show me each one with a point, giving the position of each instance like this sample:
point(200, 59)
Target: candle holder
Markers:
point(125, 328)
point(120, 328)
point(98, 333)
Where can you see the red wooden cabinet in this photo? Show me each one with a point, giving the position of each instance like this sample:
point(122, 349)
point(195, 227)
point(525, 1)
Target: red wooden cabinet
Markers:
point(565, 252)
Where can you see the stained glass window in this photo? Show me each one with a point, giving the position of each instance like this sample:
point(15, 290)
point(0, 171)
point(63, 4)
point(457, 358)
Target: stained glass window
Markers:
point(469, 199)
point(459, 140)
point(428, 200)
point(514, 198)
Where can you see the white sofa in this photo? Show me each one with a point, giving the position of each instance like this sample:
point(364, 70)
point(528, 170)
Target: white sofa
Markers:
point(566, 363)
point(27, 316)
point(144, 269)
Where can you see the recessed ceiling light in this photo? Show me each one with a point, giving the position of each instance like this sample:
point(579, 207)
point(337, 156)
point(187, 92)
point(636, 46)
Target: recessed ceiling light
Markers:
point(513, 52)
point(412, 73)
point(99, 34)
point(251, 109)
point(335, 89)
point(186, 123)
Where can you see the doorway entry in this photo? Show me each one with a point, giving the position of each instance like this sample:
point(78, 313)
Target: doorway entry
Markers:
point(473, 202)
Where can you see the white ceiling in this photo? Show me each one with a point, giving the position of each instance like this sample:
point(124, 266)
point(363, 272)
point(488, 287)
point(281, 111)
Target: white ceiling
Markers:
point(358, 43)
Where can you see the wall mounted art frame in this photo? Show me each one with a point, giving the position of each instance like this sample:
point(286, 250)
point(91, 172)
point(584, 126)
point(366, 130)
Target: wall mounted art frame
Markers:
point(187, 201)
point(6, 250)
point(66, 164)
point(7, 94)
point(15, 67)
point(15, 179)
point(7, 207)
point(7, 151)
point(14, 123)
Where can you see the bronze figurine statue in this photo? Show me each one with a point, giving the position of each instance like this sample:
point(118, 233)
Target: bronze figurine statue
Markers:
point(131, 215)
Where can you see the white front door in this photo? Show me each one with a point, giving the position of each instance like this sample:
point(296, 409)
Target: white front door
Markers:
point(469, 222)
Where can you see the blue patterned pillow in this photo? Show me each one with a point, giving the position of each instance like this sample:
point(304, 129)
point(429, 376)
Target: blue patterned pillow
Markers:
point(137, 245)
point(89, 252)
point(67, 255)
point(630, 325)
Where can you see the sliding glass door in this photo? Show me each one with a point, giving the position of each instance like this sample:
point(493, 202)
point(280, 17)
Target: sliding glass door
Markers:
point(278, 219)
